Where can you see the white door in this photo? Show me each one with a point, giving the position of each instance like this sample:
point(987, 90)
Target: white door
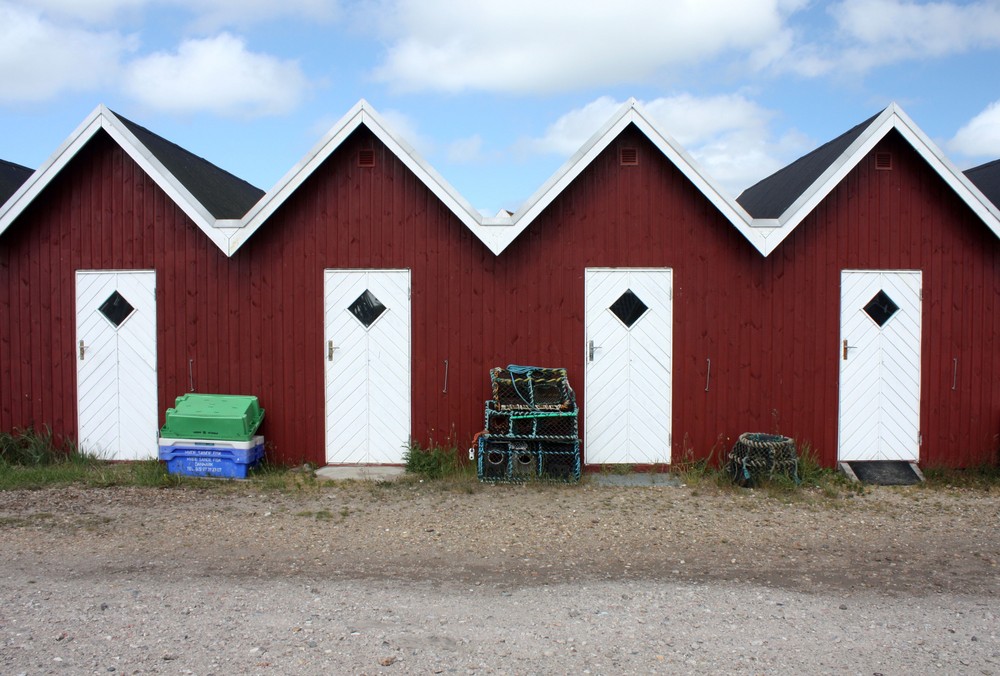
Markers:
point(116, 363)
point(628, 356)
point(879, 365)
point(367, 353)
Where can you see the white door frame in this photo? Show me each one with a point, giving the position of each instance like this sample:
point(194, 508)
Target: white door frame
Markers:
point(628, 374)
point(367, 367)
point(117, 388)
point(879, 385)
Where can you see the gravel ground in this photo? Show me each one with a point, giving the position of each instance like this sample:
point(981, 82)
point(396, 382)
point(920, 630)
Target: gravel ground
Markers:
point(361, 578)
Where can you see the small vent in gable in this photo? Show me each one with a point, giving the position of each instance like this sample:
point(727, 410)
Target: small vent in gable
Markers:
point(366, 158)
point(629, 156)
point(883, 161)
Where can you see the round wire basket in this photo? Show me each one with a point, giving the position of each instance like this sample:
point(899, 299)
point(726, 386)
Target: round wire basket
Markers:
point(757, 456)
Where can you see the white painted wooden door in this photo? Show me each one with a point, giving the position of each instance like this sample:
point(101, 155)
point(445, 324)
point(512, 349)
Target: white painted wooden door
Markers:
point(116, 363)
point(880, 365)
point(628, 374)
point(367, 357)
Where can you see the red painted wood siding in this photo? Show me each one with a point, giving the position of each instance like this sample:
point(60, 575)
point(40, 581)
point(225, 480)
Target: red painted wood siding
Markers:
point(254, 323)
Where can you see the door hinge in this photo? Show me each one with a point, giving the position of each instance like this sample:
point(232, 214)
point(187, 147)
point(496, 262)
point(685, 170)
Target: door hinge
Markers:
point(920, 439)
point(921, 293)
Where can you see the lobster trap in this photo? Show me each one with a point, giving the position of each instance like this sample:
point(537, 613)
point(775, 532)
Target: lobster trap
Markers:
point(513, 460)
point(757, 456)
point(558, 425)
point(530, 388)
point(531, 427)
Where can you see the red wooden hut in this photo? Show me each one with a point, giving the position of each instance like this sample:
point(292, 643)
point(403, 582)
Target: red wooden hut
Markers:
point(886, 285)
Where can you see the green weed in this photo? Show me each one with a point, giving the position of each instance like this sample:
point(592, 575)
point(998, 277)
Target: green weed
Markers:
point(29, 447)
point(433, 462)
point(982, 477)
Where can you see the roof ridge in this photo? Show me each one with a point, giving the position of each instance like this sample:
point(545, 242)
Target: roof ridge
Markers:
point(981, 167)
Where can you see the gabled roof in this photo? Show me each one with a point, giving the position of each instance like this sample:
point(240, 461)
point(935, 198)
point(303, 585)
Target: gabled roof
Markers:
point(12, 177)
point(783, 200)
point(210, 197)
point(986, 177)
point(631, 113)
point(499, 231)
point(224, 195)
point(360, 115)
point(229, 210)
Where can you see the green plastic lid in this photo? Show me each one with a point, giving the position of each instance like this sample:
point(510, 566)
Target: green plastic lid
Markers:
point(213, 416)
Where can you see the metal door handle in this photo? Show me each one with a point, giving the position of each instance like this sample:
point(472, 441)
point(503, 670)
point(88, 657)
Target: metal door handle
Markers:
point(848, 347)
point(591, 348)
point(329, 350)
point(82, 350)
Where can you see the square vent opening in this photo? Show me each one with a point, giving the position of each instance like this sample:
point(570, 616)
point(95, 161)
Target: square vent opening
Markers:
point(366, 158)
point(628, 156)
point(883, 161)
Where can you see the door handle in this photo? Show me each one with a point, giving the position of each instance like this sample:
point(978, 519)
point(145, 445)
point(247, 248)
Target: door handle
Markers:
point(82, 350)
point(329, 350)
point(848, 347)
point(591, 348)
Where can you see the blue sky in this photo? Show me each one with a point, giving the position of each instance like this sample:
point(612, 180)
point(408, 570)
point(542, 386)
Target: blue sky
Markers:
point(497, 95)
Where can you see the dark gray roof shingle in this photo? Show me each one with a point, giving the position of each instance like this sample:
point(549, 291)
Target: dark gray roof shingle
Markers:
point(986, 177)
point(224, 195)
point(12, 177)
point(770, 197)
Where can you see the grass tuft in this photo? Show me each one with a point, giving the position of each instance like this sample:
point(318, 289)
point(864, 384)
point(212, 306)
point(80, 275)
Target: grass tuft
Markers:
point(433, 462)
point(29, 448)
point(984, 477)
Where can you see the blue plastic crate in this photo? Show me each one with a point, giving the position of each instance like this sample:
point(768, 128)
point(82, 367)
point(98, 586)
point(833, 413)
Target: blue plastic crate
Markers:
point(222, 459)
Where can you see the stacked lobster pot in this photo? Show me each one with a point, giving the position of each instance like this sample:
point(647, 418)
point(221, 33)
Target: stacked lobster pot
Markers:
point(531, 428)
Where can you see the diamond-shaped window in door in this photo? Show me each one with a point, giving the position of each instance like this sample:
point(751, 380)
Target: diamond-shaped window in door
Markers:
point(367, 308)
point(881, 308)
point(628, 308)
point(116, 309)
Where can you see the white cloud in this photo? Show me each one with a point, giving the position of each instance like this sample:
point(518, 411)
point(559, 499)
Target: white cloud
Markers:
point(932, 27)
point(856, 36)
point(40, 59)
point(980, 137)
point(218, 75)
point(742, 157)
point(785, 54)
point(878, 32)
point(693, 121)
point(569, 132)
point(530, 46)
point(728, 135)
